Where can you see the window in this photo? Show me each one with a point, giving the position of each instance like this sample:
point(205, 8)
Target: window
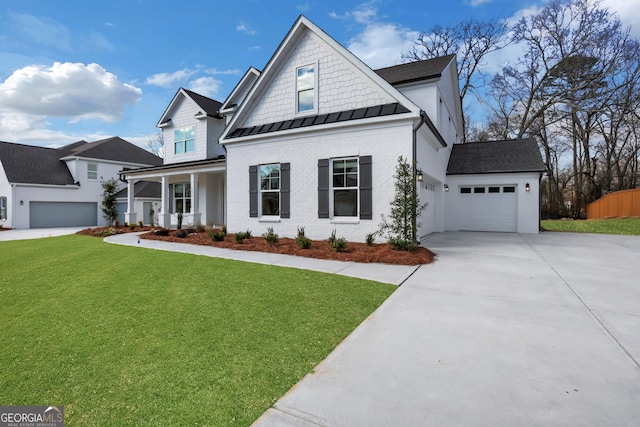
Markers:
point(306, 89)
point(182, 198)
point(270, 189)
point(509, 189)
point(184, 140)
point(344, 181)
point(478, 190)
point(92, 171)
point(465, 190)
point(3, 208)
point(494, 189)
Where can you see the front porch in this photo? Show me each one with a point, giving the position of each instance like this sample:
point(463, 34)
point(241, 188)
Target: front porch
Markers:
point(194, 189)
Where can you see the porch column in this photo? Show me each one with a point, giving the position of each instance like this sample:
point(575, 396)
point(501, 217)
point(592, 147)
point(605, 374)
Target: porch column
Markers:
point(195, 198)
point(130, 214)
point(164, 217)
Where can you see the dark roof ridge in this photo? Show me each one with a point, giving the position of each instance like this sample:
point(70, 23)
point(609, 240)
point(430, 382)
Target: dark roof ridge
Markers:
point(210, 106)
point(424, 69)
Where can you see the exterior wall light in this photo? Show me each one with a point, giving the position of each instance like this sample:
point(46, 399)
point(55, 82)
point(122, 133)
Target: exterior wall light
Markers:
point(419, 175)
point(21, 202)
point(527, 187)
point(446, 188)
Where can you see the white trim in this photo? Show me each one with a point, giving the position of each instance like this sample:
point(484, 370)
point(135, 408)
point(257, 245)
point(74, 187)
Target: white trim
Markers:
point(316, 101)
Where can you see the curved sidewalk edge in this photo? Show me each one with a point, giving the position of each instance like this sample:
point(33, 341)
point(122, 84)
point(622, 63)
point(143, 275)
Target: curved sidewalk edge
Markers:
point(385, 273)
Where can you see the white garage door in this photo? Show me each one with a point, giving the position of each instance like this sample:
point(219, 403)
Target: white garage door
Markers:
point(62, 214)
point(488, 208)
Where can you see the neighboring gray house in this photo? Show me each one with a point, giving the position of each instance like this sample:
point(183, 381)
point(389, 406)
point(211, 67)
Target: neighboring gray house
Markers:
point(45, 187)
point(314, 138)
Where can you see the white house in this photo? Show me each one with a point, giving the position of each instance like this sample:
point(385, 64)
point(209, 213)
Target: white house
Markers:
point(314, 139)
point(44, 187)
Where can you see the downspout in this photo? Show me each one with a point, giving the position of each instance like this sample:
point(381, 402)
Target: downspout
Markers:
point(414, 162)
point(13, 207)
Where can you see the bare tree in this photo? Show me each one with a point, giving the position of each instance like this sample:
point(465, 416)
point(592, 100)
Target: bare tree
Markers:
point(471, 40)
point(156, 144)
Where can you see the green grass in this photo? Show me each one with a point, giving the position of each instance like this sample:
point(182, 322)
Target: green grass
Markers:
point(630, 226)
point(130, 336)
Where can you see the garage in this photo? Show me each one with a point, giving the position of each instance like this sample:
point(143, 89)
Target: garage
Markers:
point(488, 208)
point(62, 214)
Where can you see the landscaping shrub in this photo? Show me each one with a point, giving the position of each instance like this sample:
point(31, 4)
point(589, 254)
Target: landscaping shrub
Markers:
point(132, 226)
point(191, 230)
point(400, 244)
point(179, 220)
point(338, 244)
point(161, 232)
point(239, 237)
point(270, 236)
point(140, 224)
point(181, 233)
point(247, 234)
point(301, 240)
point(106, 232)
point(371, 237)
point(217, 235)
point(200, 228)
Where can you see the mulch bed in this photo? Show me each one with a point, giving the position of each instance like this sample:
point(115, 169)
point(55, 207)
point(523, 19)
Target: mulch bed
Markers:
point(355, 252)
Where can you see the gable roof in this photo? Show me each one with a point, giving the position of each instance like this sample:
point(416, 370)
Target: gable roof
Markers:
point(210, 107)
point(299, 28)
point(508, 156)
point(114, 149)
point(27, 164)
point(241, 89)
point(416, 71)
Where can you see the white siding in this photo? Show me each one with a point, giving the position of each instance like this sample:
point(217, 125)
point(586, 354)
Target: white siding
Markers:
point(384, 143)
point(340, 85)
point(182, 117)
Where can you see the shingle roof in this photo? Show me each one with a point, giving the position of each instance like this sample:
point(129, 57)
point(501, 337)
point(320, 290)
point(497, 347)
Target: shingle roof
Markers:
point(515, 155)
point(415, 71)
point(340, 116)
point(38, 165)
point(114, 148)
point(210, 106)
point(147, 189)
point(33, 165)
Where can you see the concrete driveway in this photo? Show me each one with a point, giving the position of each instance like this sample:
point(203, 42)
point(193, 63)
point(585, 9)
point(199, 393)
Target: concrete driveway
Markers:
point(503, 330)
point(37, 233)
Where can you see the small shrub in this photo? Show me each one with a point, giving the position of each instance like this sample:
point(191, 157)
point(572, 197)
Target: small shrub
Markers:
point(400, 244)
point(270, 236)
point(106, 232)
point(179, 220)
point(239, 237)
point(125, 225)
point(217, 235)
point(301, 240)
point(181, 234)
point(132, 226)
point(200, 228)
point(247, 234)
point(161, 232)
point(140, 224)
point(338, 244)
point(224, 230)
point(371, 237)
point(190, 230)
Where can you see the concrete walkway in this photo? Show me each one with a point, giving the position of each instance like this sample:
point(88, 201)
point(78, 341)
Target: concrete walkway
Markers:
point(502, 330)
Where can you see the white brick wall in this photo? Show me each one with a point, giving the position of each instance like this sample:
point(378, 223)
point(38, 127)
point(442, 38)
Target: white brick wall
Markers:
point(340, 85)
point(384, 144)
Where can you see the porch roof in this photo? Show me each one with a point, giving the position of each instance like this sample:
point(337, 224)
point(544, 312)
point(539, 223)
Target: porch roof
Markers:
point(196, 164)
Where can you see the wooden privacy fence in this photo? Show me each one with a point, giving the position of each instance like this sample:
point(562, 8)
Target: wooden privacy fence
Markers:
point(620, 204)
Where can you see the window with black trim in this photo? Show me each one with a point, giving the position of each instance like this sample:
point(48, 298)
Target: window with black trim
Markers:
point(306, 89)
point(184, 140)
point(92, 171)
point(509, 189)
point(477, 190)
point(270, 189)
point(494, 189)
point(465, 190)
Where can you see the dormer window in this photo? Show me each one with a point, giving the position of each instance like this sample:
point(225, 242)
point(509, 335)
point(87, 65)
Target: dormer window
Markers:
point(306, 89)
point(184, 140)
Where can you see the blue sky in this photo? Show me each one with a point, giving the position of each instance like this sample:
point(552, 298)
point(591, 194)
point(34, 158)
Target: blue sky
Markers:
point(73, 70)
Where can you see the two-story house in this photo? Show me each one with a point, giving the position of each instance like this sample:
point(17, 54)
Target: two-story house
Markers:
point(44, 187)
point(313, 141)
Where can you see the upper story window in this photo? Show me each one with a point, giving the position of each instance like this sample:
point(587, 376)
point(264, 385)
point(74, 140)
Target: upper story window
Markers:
point(306, 89)
point(270, 189)
point(3, 208)
point(92, 171)
point(184, 140)
point(344, 174)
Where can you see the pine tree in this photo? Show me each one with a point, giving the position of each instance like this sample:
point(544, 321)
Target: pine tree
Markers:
point(401, 228)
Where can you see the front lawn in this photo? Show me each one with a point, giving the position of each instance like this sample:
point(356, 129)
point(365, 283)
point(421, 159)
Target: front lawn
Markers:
point(129, 336)
point(630, 226)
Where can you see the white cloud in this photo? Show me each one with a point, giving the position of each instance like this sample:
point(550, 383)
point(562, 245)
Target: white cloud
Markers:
point(628, 11)
point(71, 90)
point(381, 45)
point(42, 30)
point(216, 72)
point(170, 79)
point(207, 86)
point(476, 3)
point(245, 28)
point(305, 7)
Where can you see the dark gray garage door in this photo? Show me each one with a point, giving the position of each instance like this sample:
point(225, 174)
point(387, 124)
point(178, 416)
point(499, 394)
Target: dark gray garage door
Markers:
point(62, 214)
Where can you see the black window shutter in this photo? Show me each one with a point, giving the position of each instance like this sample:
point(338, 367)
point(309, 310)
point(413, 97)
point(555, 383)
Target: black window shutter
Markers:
point(285, 190)
point(366, 185)
point(253, 191)
point(323, 188)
